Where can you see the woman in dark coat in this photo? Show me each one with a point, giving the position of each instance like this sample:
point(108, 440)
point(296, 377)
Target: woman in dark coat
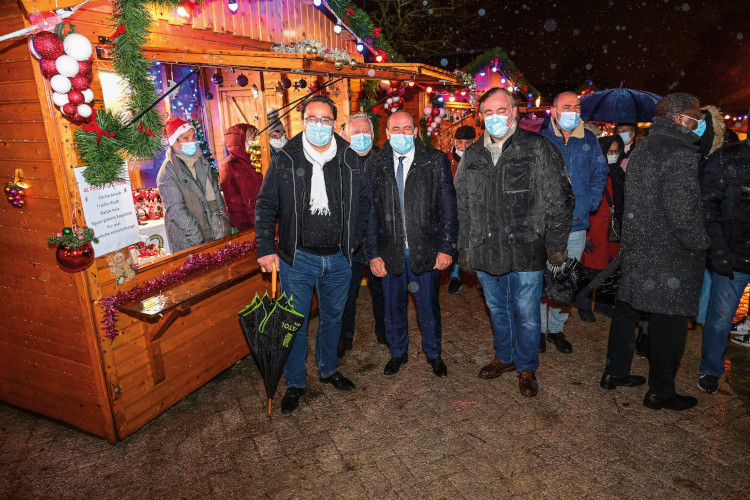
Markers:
point(599, 250)
point(240, 183)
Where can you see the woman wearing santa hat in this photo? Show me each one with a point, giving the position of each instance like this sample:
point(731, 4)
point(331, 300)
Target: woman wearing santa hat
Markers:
point(194, 209)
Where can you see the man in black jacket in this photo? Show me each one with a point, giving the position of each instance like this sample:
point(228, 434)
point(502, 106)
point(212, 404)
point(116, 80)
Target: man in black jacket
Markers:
point(663, 252)
point(411, 235)
point(316, 188)
point(725, 185)
point(515, 208)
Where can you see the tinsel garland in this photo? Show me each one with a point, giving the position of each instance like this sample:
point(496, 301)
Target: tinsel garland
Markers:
point(193, 264)
point(469, 82)
point(205, 148)
point(507, 66)
point(104, 158)
point(314, 47)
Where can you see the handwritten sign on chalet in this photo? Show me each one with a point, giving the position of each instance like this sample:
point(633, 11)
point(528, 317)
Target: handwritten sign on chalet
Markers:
point(110, 212)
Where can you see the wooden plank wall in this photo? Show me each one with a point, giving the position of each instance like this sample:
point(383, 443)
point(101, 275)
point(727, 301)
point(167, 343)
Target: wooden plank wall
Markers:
point(46, 362)
point(195, 348)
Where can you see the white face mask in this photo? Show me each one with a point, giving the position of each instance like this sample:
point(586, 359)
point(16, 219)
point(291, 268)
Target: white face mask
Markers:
point(278, 143)
point(612, 159)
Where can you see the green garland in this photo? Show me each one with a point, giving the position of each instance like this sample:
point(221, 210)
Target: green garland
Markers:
point(74, 239)
point(361, 24)
point(104, 154)
point(369, 98)
point(205, 148)
point(506, 66)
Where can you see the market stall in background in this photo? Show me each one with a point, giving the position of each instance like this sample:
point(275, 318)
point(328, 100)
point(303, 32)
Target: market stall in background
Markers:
point(128, 326)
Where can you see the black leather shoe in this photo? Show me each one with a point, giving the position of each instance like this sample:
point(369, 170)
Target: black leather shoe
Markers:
point(542, 344)
point(438, 366)
point(610, 382)
point(394, 364)
point(455, 285)
point(561, 343)
point(342, 348)
point(290, 401)
point(338, 381)
point(381, 340)
point(586, 316)
point(676, 402)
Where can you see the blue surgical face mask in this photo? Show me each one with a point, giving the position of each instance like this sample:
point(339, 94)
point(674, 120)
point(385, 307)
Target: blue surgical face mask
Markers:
point(569, 120)
point(497, 125)
point(189, 148)
point(402, 143)
point(625, 137)
point(361, 143)
point(318, 134)
point(701, 128)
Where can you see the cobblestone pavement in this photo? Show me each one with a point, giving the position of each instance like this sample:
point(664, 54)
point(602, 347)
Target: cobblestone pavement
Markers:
point(408, 436)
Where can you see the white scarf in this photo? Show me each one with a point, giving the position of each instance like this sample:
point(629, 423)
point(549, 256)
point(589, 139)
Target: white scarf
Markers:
point(318, 195)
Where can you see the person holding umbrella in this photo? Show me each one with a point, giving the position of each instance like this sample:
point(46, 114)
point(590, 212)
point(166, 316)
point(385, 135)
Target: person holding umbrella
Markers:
point(316, 189)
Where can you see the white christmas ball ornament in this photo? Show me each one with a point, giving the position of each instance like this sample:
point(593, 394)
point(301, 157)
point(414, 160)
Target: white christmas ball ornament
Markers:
point(60, 84)
point(60, 100)
point(396, 98)
point(84, 110)
point(66, 66)
point(437, 120)
point(427, 110)
point(88, 95)
point(442, 112)
point(389, 100)
point(78, 47)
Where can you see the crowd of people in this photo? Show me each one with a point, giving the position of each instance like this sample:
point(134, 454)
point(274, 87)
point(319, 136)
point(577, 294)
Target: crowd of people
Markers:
point(672, 206)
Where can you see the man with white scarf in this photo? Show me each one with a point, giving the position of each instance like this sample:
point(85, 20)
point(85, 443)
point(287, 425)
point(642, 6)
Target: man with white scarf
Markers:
point(316, 189)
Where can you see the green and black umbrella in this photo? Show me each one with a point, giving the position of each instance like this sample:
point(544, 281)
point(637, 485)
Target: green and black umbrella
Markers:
point(270, 326)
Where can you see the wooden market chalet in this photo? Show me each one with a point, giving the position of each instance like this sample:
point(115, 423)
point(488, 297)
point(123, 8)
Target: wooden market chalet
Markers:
point(56, 358)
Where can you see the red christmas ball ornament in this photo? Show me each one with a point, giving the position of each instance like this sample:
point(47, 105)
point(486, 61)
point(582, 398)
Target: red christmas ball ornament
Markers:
point(48, 45)
point(435, 111)
point(76, 118)
point(430, 118)
point(85, 68)
point(80, 82)
point(48, 68)
point(75, 97)
point(69, 109)
point(72, 260)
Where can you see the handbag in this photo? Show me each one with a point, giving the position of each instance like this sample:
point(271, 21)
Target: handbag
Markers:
point(614, 230)
point(220, 226)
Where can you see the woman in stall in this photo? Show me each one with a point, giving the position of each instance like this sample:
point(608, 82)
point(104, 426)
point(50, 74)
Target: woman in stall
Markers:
point(194, 209)
point(239, 181)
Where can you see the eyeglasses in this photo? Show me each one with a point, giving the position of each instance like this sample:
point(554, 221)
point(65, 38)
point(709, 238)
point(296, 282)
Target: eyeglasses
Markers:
point(694, 119)
point(311, 120)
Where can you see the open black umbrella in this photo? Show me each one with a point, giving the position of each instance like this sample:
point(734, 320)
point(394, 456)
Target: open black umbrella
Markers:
point(270, 326)
point(619, 106)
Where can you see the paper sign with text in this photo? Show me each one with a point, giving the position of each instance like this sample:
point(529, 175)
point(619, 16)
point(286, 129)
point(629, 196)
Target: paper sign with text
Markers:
point(110, 212)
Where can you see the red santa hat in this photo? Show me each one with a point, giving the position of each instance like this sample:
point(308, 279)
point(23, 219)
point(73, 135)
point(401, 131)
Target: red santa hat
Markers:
point(175, 127)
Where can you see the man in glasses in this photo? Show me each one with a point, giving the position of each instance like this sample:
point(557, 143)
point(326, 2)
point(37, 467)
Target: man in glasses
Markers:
point(663, 252)
point(411, 236)
point(317, 191)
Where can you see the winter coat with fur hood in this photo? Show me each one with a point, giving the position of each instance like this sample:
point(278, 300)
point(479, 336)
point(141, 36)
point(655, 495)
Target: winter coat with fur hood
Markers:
point(239, 181)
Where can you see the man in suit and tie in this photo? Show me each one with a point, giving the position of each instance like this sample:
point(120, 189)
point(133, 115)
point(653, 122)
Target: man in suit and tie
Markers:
point(411, 235)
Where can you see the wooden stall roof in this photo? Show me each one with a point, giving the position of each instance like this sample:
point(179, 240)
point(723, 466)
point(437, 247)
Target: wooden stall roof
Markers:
point(260, 60)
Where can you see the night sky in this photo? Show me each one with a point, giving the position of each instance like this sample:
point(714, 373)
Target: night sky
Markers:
point(700, 47)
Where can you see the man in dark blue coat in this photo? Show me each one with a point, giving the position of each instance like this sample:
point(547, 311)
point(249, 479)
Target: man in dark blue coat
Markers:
point(411, 235)
point(587, 170)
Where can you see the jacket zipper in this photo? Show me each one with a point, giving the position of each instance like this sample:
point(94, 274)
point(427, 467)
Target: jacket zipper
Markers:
point(296, 220)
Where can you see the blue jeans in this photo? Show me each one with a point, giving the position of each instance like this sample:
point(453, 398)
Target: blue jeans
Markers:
point(555, 320)
point(705, 294)
point(513, 301)
point(455, 271)
point(424, 286)
point(722, 305)
point(329, 276)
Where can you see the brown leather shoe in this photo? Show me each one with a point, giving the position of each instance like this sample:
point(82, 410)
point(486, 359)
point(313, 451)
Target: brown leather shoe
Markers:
point(527, 384)
point(495, 368)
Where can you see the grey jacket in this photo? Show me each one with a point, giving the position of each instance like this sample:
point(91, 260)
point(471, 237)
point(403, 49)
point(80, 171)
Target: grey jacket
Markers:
point(181, 220)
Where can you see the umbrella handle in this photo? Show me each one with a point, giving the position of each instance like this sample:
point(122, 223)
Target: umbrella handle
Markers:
point(274, 279)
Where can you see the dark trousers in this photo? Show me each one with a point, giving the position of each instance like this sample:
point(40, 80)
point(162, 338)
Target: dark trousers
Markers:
point(378, 303)
point(621, 345)
point(666, 342)
point(425, 289)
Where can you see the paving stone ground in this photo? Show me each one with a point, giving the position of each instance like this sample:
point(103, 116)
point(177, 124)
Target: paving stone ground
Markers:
point(411, 435)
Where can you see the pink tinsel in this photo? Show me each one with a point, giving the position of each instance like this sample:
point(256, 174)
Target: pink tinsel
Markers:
point(194, 263)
